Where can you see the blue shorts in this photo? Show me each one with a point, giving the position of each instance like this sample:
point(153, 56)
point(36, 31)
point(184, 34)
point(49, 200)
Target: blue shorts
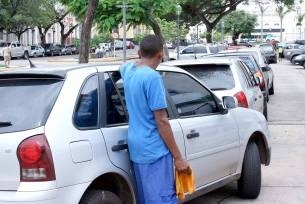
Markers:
point(155, 181)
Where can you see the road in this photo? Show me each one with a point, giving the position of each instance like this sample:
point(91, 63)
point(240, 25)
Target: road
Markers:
point(283, 181)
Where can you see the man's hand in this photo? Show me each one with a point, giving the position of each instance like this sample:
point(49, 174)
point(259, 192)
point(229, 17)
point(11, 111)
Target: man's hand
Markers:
point(181, 165)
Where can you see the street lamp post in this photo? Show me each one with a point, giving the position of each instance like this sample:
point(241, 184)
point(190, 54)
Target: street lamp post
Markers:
point(53, 29)
point(178, 10)
point(124, 8)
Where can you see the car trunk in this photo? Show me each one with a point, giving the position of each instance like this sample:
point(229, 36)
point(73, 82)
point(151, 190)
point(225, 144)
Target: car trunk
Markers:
point(25, 104)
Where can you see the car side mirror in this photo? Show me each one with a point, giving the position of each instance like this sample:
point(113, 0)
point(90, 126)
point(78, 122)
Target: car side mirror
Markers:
point(266, 68)
point(229, 102)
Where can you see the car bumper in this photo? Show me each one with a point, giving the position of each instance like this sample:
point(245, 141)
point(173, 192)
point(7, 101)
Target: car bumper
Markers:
point(69, 194)
point(299, 61)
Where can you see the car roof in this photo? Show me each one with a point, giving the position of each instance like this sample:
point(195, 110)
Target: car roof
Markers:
point(209, 60)
point(61, 71)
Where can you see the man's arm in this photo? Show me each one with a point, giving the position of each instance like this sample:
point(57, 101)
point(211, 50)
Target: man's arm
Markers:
point(166, 133)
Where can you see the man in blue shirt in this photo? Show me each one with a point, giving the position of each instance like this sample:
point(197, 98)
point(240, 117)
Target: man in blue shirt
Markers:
point(151, 142)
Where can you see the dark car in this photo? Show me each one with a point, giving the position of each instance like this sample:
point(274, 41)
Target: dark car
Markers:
point(292, 53)
point(269, 52)
point(74, 49)
point(52, 49)
point(300, 42)
point(300, 59)
point(66, 50)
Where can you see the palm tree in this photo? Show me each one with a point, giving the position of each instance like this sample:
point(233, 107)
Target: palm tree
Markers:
point(281, 9)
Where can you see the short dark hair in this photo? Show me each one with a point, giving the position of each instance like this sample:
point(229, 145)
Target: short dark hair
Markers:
point(150, 45)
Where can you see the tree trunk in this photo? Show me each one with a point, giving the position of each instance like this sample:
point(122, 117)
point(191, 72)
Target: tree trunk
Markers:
point(157, 30)
point(86, 32)
point(42, 36)
point(209, 33)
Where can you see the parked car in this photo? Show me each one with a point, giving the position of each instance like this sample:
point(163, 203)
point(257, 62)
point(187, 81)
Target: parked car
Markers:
point(300, 59)
point(74, 49)
point(66, 49)
point(269, 52)
point(195, 51)
point(117, 44)
point(227, 77)
point(300, 42)
point(106, 46)
point(130, 44)
point(253, 66)
point(262, 62)
point(17, 49)
point(37, 50)
point(71, 148)
point(288, 47)
point(292, 53)
point(52, 49)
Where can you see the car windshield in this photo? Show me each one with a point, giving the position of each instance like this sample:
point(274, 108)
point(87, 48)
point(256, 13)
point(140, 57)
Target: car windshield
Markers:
point(266, 48)
point(26, 103)
point(216, 77)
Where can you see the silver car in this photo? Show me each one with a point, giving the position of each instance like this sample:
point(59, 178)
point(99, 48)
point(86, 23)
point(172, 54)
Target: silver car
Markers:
point(227, 77)
point(63, 136)
point(36, 51)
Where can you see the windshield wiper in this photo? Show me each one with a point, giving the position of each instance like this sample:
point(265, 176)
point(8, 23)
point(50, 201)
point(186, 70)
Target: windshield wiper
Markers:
point(5, 123)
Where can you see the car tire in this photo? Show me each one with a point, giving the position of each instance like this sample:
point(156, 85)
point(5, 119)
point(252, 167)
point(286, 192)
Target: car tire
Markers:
point(100, 197)
point(293, 60)
point(304, 64)
point(271, 90)
point(35, 55)
point(52, 54)
point(26, 55)
point(249, 184)
point(43, 54)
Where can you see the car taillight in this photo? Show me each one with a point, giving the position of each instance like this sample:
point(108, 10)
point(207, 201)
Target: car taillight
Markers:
point(241, 99)
point(260, 75)
point(35, 159)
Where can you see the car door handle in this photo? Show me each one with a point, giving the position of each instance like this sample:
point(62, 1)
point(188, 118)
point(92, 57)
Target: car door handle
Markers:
point(192, 134)
point(120, 146)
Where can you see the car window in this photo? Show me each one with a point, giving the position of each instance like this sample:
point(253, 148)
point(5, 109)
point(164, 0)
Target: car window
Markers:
point(247, 74)
point(188, 50)
point(86, 112)
point(214, 49)
point(200, 49)
point(215, 77)
point(190, 98)
point(115, 100)
point(26, 102)
point(250, 62)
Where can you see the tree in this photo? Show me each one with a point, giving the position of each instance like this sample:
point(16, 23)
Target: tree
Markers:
point(210, 12)
point(239, 22)
point(140, 12)
point(170, 30)
point(282, 9)
point(85, 12)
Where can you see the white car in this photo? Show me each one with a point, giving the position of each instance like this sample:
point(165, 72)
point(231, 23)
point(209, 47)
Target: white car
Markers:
point(195, 51)
point(227, 77)
point(36, 51)
point(63, 136)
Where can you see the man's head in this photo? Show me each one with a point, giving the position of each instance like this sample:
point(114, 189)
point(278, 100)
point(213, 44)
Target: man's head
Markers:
point(151, 48)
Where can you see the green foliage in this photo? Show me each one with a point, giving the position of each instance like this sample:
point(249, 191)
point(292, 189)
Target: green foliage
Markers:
point(76, 42)
point(103, 37)
point(138, 37)
point(170, 30)
point(239, 22)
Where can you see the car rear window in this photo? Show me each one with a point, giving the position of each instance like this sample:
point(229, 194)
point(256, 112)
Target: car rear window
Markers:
point(214, 76)
point(250, 63)
point(26, 103)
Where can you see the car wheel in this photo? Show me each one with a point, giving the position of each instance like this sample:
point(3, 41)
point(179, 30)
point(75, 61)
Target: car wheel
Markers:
point(43, 54)
point(35, 55)
point(293, 60)
point(60, 53)
point(271, 90)
point(265, 110)
point(249, 184)
point(52, 54)
point(304, 64)
point(26, 55)
point(100, 197)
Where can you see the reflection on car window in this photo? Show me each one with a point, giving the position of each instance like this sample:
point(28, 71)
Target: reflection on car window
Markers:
point(86, 113)
point(116, 105)
point(189, 97)
point(189, 50)
point(215, 77)
point(201, 49)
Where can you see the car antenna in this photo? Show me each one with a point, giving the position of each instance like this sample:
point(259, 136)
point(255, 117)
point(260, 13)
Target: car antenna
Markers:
point(31, 63)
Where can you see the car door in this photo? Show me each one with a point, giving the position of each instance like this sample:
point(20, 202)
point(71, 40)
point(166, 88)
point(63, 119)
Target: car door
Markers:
point(211, 137)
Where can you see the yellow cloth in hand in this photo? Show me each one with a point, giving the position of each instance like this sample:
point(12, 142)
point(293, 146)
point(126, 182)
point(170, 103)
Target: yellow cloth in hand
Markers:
point(185, 183)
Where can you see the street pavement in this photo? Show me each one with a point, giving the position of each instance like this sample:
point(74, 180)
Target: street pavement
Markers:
point(283, 182)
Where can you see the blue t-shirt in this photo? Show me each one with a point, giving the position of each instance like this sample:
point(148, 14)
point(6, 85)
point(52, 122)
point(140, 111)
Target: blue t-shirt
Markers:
point(144, 93)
